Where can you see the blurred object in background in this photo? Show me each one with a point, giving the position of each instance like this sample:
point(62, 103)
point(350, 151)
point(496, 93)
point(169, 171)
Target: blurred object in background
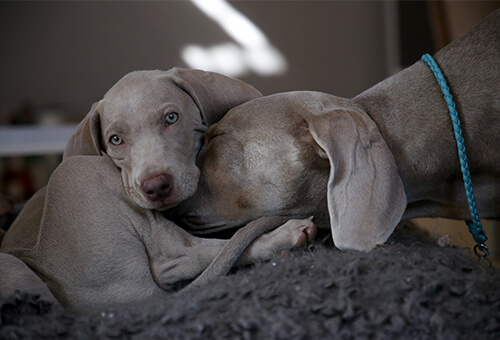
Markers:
point(415, 36)
point(17, 179)
point(428, 26)
point(451, 19)
point(20, 114)
point(6, 213)
point(26, 170)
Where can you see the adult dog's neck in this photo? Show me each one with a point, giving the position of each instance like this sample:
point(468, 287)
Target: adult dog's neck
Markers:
point(413, 118)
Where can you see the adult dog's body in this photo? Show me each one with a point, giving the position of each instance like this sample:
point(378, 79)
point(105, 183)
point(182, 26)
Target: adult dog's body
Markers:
point(387, 154)
point(95, 235)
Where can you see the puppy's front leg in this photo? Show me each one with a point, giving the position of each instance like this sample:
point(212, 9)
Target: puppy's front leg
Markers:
point(175, 255)
point(294, 233)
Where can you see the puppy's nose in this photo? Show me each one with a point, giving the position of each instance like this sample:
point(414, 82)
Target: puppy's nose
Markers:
point(157, 188)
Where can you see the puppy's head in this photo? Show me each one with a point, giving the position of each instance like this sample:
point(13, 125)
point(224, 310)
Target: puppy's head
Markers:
point(150, 123)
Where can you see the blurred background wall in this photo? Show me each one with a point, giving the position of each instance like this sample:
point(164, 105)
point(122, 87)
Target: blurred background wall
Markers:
point(70, 53)
point(57, 58)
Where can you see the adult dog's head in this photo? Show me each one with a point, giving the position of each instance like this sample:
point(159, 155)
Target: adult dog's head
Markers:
point(298, 154)
point(150, 123)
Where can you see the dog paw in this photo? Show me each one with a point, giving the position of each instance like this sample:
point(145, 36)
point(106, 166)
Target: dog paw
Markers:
point(293, 234)
point(301, 232)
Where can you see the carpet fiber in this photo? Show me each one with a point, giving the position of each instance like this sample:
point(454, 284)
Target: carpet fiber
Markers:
point(410, 288)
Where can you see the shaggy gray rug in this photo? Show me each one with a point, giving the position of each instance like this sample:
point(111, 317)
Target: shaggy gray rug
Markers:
point(407, 289)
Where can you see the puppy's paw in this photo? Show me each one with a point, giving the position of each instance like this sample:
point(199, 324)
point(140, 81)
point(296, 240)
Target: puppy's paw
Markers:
point(299, 233)
point(292, 235)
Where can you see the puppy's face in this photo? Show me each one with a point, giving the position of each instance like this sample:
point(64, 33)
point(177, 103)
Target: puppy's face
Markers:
point(152, 131)
point(151, 123)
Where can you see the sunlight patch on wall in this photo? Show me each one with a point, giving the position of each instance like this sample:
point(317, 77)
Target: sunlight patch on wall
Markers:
point(252, 51)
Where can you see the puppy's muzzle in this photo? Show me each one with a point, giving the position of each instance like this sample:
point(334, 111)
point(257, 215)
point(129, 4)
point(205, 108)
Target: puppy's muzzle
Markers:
point(157, 188)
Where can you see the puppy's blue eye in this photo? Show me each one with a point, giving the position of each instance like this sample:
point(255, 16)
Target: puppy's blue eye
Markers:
point(171, 118)
point(115, 140)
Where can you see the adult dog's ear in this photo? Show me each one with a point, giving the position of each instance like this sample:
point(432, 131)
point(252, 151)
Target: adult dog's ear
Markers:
point(213, 93)
point(86, 138)
point(366, 197)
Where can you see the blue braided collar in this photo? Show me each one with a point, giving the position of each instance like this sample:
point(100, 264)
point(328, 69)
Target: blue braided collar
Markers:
point(475, 226)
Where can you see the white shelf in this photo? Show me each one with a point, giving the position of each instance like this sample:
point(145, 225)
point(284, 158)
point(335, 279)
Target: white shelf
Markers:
point(34, 140)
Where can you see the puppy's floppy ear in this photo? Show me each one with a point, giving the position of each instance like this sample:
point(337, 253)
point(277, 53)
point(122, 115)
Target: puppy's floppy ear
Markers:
point(366, 197)
point(86, 138)
point(213, 93)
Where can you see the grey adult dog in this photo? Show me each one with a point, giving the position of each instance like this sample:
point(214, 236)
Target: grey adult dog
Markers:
point(387, 154)
point(95, 235)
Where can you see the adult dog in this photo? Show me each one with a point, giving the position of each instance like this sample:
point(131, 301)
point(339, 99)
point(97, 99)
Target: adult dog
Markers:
point(359, 165)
